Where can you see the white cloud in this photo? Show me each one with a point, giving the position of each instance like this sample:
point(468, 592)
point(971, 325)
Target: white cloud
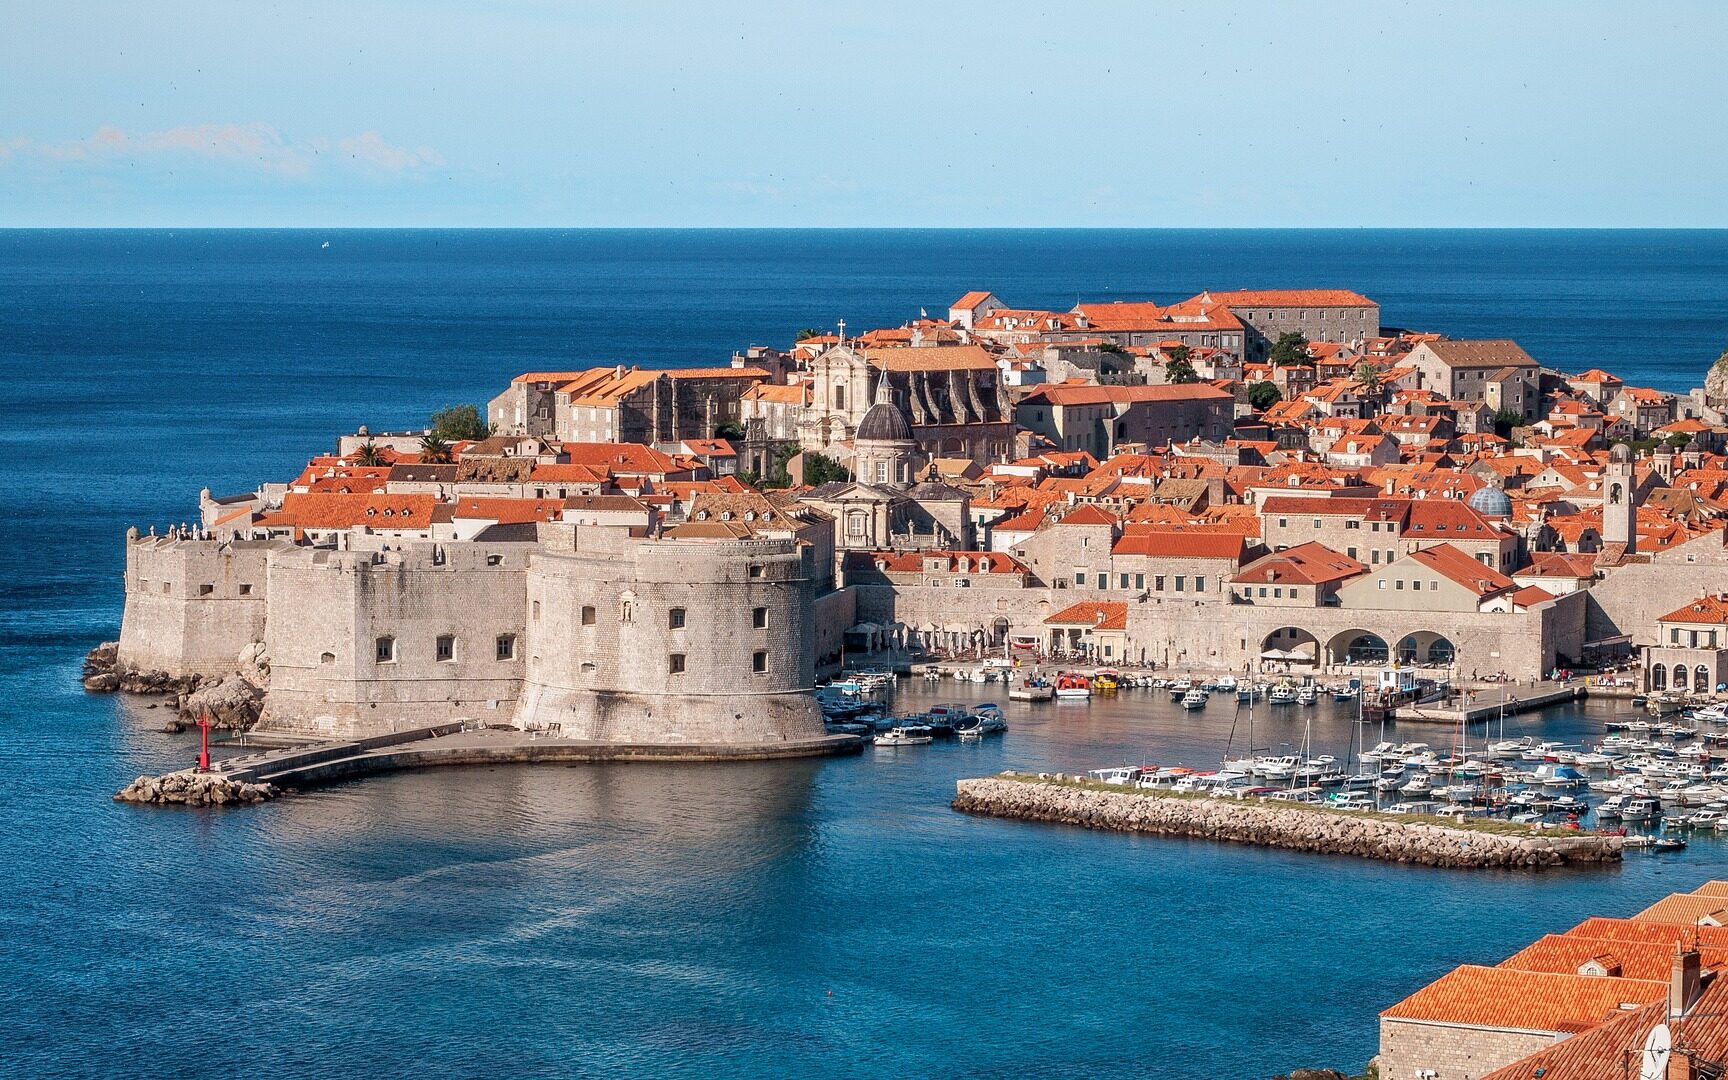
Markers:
point(255, 146)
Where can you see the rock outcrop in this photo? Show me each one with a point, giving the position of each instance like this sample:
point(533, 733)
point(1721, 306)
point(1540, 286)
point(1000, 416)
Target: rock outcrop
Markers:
point(103, 673)
point(234, 703)
point(193, 789)
point(1270, 824)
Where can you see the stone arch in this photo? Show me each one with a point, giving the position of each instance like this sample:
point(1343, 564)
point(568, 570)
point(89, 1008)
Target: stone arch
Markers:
point(1658, 677)
point(1681, 677)
point(953, 447)
point(1290, 644)
point(1425, 647)
point(1357, 646)
point(1701, 683)
point(999, 630)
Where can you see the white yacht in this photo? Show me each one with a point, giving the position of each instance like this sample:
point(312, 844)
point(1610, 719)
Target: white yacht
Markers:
point(1195, 698)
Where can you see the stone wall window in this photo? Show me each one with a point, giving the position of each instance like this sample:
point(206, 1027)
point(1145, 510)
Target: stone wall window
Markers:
point(536, 611)
point(506, 646)
point(755, 570)
point(446, 647)
point(245, 589)
point(675, 619)
point(675, 663)
point(588, 616)
point(758, 662)
point(384, 650)
point(759, 617)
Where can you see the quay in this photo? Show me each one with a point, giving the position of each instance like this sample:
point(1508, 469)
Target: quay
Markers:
point(1477, 710)
point(1470, 844)
point(316, 764)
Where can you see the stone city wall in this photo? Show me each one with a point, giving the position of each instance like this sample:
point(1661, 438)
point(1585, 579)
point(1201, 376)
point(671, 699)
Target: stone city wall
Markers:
point(192, 605)
point(330, 611)
point(1409, 1049)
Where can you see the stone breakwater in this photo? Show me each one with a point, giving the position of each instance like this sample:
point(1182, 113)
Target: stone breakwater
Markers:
point(194, 789)
point(1297, 828)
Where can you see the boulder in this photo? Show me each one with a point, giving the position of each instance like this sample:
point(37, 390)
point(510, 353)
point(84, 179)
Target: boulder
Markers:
point(234, 703)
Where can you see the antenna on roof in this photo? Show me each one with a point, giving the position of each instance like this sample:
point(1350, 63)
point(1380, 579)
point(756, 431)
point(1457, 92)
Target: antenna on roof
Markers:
point(1654, 1057)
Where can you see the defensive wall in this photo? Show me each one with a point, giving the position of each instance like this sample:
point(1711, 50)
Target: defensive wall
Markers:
point(192, 605)
point(366, 642)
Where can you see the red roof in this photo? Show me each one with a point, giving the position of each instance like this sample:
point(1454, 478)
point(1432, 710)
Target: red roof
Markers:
point(1306, 564)
point(1180, 542)
point(1244, 298)
point(1099, 615)
point(1065, 394)
point(1089, 514)
point(1458, 567)
point(1710, 608)
point(1506, 998)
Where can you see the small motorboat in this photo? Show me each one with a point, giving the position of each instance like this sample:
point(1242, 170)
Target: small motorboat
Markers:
point(1031, 689)
point(1072, 687)
point(1195, 698)
point(907, 735)
point(1346, 693)
point(1282, 694)
point(1306, 694)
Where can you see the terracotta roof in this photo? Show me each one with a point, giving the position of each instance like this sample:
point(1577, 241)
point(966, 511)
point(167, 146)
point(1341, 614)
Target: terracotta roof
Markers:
point(1244, 298)
point(1306, 564)
point(1685, 909)
point(508, 511)
point(932, 358)
point(1099, 615)
point(1710, 608)
point(1456, 566)
point(344, 511)
point(1603, 1053)
point(1564, 954)
point(1090, 514)
point(1490, 353)
point(971, 299)
point(1536, 1001)
point(1121, 315)
point(1180, 542)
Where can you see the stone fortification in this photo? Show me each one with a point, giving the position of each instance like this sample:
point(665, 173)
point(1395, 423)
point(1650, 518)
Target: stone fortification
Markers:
point(1298, 828)
point(192, 605)
point(365, 642)
point(669, 641)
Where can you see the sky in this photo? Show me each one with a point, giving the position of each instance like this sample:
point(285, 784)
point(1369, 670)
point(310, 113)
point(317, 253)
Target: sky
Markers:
point(880, 114)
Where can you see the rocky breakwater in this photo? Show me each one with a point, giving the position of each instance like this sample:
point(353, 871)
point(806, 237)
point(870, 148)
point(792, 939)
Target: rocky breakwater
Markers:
point(232, 702)
point(194, 789)
point(1069, 801)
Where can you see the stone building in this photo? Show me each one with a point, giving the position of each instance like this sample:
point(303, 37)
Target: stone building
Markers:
point(1098, 419)
point(624, 404)
point(1690, 652)
point(953, 396)
point(1334, 315)
point(1497, 373)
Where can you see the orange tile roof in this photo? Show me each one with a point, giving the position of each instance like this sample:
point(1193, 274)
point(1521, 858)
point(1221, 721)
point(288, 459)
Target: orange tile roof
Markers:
point(1065, 394)
point(508, 511)
point(1242, 298)
point(1458, 567)
point(1099, 615)
point(1536, 1001)
point(1685, 909)
point(1090, 514)
point(1121, 315)
point(932, 358)
point(1312, 563)
point(1180, 542)
point(971, 299)
point(1710, 608)
point(1563, 954)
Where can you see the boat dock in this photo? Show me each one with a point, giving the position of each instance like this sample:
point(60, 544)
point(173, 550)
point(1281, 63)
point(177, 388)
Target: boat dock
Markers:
point(314, 764)
point(1483, 708)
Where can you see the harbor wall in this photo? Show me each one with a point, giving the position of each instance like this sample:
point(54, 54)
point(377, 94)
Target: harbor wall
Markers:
point(1268, 824)
point(191, 605)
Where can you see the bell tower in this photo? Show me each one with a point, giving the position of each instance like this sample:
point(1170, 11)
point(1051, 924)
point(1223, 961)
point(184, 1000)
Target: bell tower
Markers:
point(1619, 514)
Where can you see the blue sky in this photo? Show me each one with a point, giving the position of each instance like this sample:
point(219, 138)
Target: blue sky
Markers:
point(874, 114)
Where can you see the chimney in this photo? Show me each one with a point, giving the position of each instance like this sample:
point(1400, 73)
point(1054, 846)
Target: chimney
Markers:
point(1684, 982)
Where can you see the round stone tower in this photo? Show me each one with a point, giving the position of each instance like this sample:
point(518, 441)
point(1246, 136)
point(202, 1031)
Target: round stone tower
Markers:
point(700, 643)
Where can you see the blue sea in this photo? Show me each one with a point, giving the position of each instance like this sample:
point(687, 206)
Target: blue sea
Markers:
point(829, 918)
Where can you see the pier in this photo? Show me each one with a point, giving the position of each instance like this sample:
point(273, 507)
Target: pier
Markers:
point(1479, 711)
point(253, 777)
point(1471, 844)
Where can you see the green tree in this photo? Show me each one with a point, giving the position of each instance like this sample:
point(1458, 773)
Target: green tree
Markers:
point(1180, 371)
point(807, 333)
point(435, 450)
point(370, 455)
point(1290, 348)
point(730, 430)
point(457, 423)
point(1679, 440)
point(1505, 420)
point(1108, 346)
point(821, 469)
point(1264, 395)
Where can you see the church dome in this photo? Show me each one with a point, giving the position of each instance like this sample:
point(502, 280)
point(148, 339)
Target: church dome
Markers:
point(1620, 452)
point(1491, 502)
point(883, 421)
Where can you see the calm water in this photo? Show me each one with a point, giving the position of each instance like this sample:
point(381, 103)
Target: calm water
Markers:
point(809, 918)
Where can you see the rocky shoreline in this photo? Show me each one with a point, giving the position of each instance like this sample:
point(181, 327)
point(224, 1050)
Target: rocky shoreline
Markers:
point(194, 789)
point(233, 703)
point(1068, 801)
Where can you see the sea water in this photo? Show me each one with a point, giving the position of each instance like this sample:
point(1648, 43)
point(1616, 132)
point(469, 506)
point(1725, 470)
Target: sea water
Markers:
point(806, 918)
